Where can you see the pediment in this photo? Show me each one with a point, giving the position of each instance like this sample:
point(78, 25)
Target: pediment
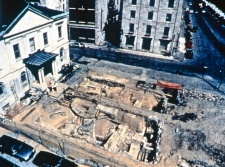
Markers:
point(30, 20)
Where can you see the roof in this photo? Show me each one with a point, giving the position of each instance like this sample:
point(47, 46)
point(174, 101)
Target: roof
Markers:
point(46, 11)
point(11, 14)
point(40, 57)
point(169, 85)
point(33, 1)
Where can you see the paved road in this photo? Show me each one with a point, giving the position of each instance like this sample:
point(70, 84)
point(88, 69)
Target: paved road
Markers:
point(32, 143)
point(206, 48)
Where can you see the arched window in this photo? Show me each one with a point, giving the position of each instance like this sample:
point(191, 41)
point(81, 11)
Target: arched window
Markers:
point(1, 88)
point(23, 77)
point(61, 54)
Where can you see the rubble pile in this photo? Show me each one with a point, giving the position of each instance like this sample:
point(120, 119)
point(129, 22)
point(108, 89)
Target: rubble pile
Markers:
point(205, 96)
point(142, 146)
point(195, 141)
point(86, 127)
point(216, 154)
point(198, 163)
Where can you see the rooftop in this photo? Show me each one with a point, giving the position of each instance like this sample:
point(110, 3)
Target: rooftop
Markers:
point(40, 57)
point(10, 14)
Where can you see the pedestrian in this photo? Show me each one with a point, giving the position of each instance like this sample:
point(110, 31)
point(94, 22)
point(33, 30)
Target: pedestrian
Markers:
point(55, 86)
point(47, 91)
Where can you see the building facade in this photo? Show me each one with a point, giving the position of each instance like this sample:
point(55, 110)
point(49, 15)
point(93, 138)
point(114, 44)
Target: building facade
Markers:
point(151, 25)
point(87, 19)
point(33, 45)
point(60, 5)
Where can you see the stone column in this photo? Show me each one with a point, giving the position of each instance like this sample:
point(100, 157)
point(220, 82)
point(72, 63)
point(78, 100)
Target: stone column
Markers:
point(43, 75)
point(53, 69)
point(40, 76)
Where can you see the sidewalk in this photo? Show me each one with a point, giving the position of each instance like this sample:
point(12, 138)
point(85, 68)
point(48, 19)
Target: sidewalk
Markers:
point(217, 84)
point(127, 51)
point(147, 54)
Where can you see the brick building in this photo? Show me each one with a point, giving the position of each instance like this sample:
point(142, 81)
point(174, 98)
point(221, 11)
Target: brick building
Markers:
point(151, 25)
point(33, 44)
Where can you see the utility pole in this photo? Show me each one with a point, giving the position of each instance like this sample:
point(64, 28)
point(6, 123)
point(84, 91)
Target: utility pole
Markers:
point(204, 70)
point(221, 79)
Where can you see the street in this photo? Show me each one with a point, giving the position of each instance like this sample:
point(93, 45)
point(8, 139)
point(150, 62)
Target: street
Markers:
point(206, 49)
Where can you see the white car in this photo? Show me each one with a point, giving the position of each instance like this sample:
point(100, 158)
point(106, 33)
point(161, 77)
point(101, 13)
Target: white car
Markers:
point(77, 45)
point(203, 11)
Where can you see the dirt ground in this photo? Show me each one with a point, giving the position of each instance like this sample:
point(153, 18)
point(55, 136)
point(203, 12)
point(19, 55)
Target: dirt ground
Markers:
point(197, 142)
point(192, 134)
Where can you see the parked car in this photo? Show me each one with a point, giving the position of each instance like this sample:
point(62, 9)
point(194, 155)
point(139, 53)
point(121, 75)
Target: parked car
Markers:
point(194, 29)
point(16, 148)
point(191, 11)
point(189, 44)
point(189, 54)
point(187, 21)
point(47, 159)
point(188, 29)
point(6, 163)
point(203, 11)
point(77, 45)
point(188, 36)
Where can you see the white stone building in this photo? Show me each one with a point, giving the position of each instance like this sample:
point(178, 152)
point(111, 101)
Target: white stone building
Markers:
point(51, 4)
point(151, 25)
point(32, 45)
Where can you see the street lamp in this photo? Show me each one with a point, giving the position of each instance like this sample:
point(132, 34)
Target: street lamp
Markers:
point(221, 79)
point(204, 70)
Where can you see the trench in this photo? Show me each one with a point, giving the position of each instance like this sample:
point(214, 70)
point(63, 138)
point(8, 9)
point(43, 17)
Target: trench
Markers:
point(152, 154)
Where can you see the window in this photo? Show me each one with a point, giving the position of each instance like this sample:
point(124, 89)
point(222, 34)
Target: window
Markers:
point(131, 29)
point(171, 3)
point(16, 50)
point(32, 44)
point(45, 38)
point(23, 77)
point(163, 45)
point(150, 15)
point(148, 29)
point(1, 89)
point(152, 3)
point(146, 43)
point(133, 2)
point(60, 31)
point(168, 17)
point(61, 54)
point(130, 40)
point(166, 31)
point(132, 14)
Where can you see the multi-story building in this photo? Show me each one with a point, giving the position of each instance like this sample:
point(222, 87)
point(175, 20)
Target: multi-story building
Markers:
point(87, 19)
point(151, 25)
point(33, 45)
point(51, 4)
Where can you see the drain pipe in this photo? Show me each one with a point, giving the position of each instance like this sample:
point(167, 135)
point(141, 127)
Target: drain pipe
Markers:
point(138, 23)
point(171, 48)
point(28, 78)
point(156, 25)
point(14, 92)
